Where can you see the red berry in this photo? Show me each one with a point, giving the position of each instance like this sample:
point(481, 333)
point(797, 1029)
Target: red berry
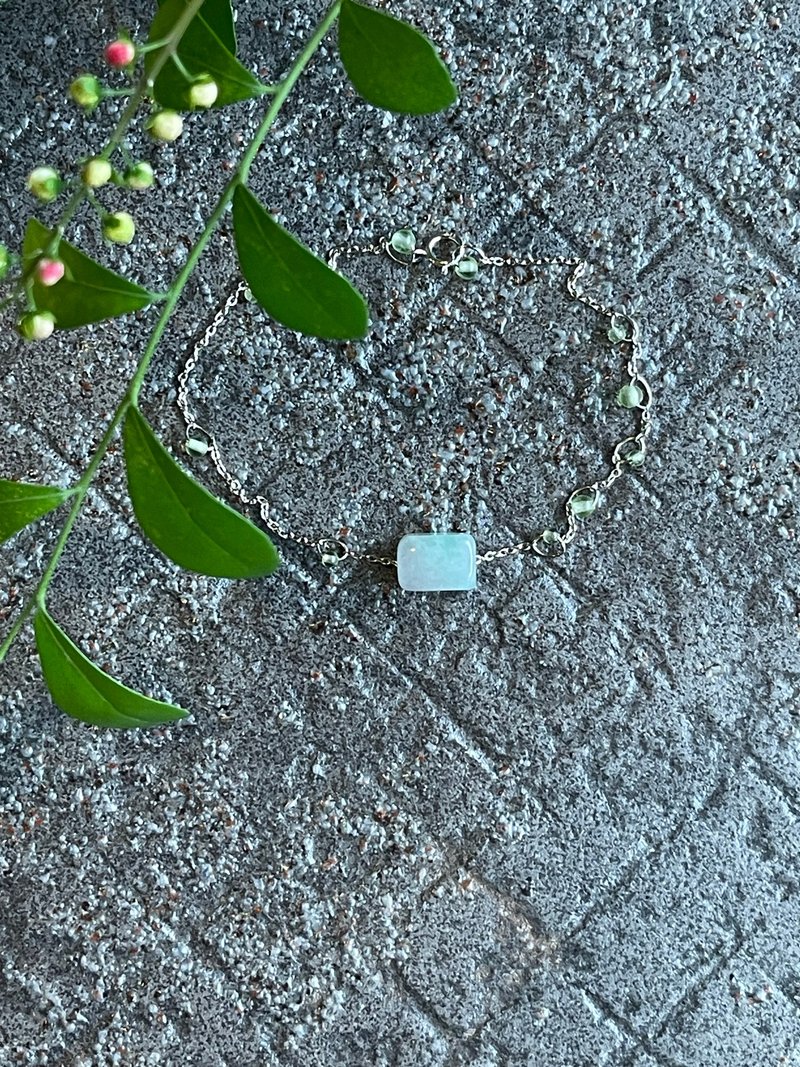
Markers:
point(49, 271)
point(120, 53)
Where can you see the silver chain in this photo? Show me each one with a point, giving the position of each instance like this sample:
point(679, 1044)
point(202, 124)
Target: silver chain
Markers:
point(465, 259)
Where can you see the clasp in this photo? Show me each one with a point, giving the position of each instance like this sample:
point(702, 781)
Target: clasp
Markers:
point(443, 261)
point(332, 551)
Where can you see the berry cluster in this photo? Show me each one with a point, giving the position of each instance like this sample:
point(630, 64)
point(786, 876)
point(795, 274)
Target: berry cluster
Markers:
point(46, 184)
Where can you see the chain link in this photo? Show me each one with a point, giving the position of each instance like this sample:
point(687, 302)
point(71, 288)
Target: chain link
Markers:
point(624, 333)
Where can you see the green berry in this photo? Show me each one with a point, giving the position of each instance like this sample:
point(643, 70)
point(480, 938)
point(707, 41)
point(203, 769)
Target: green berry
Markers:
point(96, 172)
point(86, 91)
point(203, 92)
point(119, 227)
point(37, 325)
point(165, 125)
point(44, 183)
point(139, 176)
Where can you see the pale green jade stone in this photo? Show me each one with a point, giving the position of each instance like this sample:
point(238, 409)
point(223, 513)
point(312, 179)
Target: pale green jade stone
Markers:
point(630, 396)
point(584, 504)
point(437, 562)
point(403, 241)
point(467, 268)
point(617, 332)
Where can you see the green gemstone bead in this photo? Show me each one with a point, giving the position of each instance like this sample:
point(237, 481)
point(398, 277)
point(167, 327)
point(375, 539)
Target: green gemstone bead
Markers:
point(617, 332)
point(630, 396)
point(635, 458)
point(248, 295)
point(584, 504)
point(467, 268)
point(548, 544)
point(403, 241)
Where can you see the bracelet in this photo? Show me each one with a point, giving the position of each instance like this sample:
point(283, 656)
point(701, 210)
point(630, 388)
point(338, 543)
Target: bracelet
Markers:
point(448, 561)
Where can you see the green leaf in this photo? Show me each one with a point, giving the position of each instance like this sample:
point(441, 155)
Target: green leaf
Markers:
point(391, 64)
point(219, 16)
point(88, 292)
point(292, 284)
point(203, 49)
point(188, 524)
point(22, 503)
point(85, 692)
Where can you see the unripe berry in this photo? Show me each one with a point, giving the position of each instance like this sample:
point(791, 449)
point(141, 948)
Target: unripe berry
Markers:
point(37, 325)
point(119, 228)
point(96, 172)
point(139, 176)
point(86, 91)
point(44, 183)
point(4, 262)
point(203, 92)
point(119, 53)
point(49, 271)
point(165, 125)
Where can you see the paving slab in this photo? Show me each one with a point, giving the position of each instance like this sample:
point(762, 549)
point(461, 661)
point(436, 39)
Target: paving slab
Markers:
point(553, 821)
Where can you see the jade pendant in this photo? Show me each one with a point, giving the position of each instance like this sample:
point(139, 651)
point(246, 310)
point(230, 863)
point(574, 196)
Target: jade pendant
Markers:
point(437, 562)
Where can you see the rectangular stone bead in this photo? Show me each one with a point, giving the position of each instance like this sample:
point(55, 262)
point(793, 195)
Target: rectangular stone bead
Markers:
point(437, 562)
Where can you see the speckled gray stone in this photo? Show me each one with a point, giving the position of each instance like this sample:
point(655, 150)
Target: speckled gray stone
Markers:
point(553, 821)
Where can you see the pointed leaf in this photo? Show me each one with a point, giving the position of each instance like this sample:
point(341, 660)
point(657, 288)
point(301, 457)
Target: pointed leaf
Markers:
point(188, 524)
point(219, 16)
point(22, 503)
point(202, 50)
point(85, 692)
point(391, 64)
point(88, 292)
point(292, 284)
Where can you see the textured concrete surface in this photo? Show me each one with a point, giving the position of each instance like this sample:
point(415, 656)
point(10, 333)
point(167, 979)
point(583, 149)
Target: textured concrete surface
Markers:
point(554, 822)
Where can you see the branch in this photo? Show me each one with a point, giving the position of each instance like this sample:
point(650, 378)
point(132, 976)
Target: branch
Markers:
point(281, 92)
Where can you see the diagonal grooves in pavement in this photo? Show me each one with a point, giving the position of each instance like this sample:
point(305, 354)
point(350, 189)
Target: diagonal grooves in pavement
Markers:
point(692, 994)
point(629, 873)
point(641, 1040)
point(763, 771)
point(422, 1005)
point(688, 819)
point(750, 238)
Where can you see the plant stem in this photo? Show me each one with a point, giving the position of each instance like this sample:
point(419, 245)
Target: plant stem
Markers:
point(239, 177)
point(91, 196)
point(150, 46)
point(81, 489)
point(19, 622)
point(176, 59)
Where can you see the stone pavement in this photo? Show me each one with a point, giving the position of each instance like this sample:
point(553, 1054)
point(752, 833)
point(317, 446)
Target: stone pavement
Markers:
point(553, 822)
